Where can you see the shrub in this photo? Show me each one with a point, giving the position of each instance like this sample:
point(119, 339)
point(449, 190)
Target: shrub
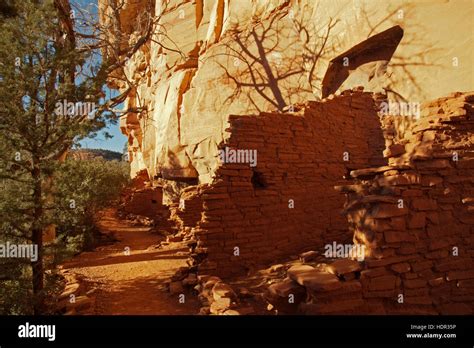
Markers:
point(81, 190)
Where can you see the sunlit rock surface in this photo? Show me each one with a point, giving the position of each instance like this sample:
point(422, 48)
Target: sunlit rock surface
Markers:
point(209, 59)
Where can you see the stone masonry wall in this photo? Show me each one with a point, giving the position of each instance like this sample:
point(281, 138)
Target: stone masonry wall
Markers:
point(287, 202)
point(141, 198)
point(145, 201)
point(416, 219)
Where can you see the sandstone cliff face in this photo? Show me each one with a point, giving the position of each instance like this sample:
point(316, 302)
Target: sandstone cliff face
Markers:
point(213, 58)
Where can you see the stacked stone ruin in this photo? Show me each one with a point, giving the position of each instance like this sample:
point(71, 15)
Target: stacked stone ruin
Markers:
point(287, 202)
point(414, 215)
point(415, 218)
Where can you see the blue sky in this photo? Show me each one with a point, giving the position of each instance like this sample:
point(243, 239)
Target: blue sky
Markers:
point(116, 143)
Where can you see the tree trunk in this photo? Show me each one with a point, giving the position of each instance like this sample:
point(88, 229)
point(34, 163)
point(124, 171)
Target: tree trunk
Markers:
point(37, 238)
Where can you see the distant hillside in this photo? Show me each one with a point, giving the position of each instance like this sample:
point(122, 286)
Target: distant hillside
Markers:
point(89, 154)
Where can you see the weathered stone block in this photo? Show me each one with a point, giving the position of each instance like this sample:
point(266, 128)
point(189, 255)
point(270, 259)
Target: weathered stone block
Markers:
point(401, 267)
point(424, 204)
point(388, 210)
point(343, 267)
point(387, 282)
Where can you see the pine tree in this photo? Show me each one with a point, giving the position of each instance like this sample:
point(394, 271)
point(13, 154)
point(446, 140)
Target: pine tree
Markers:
point(54, 66)
point(47, 102)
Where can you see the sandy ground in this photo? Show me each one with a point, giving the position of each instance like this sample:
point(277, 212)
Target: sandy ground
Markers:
point(132, 284)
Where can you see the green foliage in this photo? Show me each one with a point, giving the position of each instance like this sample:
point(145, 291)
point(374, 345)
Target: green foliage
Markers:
point(15, 294)
point(82, 190)
point(95, 153)
point(91, 186)
point(36, 74)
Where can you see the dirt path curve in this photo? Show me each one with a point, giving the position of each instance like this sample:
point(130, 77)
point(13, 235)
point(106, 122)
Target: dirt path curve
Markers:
point(135, 283)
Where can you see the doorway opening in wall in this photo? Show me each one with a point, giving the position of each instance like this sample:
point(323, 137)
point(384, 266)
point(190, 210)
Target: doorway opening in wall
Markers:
point(258, 180)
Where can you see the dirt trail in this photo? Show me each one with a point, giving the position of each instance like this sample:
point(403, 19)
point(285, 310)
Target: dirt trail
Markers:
point(133, 284)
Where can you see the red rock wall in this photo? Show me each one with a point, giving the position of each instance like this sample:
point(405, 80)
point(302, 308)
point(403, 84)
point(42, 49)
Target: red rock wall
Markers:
point(300, 158)
point(415, 218)
point(145, 202)
point(422, 242)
